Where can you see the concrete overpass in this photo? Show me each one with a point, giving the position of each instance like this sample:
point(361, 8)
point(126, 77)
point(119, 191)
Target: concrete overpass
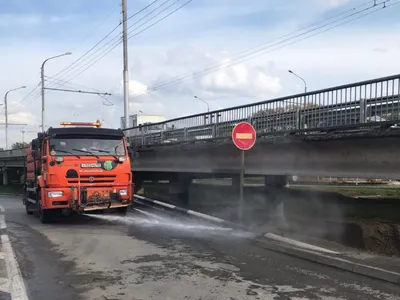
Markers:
point(10, 160)
point(345, 131)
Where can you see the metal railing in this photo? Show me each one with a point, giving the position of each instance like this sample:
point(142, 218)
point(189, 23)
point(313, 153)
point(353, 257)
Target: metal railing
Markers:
point(376, 100)
point(9, 154)
point(372, 101)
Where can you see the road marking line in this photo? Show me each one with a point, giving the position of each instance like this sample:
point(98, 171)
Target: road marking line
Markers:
point(4, 285)
point(2, 209)
point(2, 222)
point(1, 255)
point(17, 285)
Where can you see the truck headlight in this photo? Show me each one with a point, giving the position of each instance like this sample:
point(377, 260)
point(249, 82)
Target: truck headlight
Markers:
point(55, 194)
point(121, 158)
point(59, 158)
point(123, 192)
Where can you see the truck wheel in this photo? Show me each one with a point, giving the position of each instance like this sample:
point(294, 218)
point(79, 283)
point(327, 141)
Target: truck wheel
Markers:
point(28, 205)
point(122, 210)
point(45, 215)
point(27, 209)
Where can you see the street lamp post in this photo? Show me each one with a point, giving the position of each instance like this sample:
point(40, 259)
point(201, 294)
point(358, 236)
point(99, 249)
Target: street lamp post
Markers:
point(305, 84)
point(6, 112)
point(208, 106)
point(42, 78)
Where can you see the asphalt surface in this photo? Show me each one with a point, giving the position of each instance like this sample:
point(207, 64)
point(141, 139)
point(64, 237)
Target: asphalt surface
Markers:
point(145, 256)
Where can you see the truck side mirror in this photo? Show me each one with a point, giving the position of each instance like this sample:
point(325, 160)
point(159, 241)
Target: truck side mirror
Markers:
point(40, 135)
point(35, 153)
point(35, 144)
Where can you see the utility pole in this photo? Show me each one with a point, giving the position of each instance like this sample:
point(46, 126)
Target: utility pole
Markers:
point(125, 52)
point(6, 123)
point(23, 131)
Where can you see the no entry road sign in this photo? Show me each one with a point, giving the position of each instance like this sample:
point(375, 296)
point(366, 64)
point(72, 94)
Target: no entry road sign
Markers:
point(244, 136)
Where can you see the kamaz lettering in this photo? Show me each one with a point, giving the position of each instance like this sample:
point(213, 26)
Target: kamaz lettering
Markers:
point(90, 165)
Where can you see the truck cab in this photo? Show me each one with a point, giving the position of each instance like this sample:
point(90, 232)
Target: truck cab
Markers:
point(80, 167)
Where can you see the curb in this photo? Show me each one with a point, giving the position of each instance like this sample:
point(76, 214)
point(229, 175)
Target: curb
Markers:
point(333, 261)
point(278, 244)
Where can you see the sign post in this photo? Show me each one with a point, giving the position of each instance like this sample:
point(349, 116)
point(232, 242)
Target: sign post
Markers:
point(244, 137)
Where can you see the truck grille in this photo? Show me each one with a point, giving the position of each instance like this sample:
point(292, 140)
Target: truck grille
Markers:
point(92, 179)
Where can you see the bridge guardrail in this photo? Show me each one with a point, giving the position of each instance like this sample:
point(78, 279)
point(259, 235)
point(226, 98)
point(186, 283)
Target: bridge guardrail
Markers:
point(375, 100)
point(12, 153)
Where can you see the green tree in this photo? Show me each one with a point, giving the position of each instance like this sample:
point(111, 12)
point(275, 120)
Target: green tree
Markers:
point(18, 145)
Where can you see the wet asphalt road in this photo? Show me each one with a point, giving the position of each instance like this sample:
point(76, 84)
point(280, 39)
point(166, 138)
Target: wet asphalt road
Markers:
point(145, 257)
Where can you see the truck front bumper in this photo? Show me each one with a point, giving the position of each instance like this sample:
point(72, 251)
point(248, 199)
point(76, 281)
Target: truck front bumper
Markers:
point(88, 198)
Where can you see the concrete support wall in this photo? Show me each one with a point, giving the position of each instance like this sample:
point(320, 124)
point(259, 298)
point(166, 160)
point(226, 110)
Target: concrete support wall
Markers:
point(273, 185)
point(179, 187)
point(357, 157)
point(5, 177)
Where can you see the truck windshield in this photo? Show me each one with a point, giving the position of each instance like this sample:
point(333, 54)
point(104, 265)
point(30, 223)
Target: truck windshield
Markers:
point(86, 146)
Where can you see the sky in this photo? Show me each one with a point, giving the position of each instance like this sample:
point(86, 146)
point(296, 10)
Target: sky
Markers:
point(198, 42)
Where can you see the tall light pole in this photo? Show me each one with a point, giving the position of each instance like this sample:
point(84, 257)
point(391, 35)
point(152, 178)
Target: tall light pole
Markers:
point(208, 106)
point(6, 112)
point(125, 53)
point(305, 83)
point(42, 77)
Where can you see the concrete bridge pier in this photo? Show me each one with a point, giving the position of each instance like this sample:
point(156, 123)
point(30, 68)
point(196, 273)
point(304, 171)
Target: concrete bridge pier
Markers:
point(5, 176)
point(273, 188)
point(179, 187)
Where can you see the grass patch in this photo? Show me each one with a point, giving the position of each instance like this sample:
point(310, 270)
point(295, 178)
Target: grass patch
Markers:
point(11, 189)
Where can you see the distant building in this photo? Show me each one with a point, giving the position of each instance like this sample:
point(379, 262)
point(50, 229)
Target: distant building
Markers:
point(143, 119)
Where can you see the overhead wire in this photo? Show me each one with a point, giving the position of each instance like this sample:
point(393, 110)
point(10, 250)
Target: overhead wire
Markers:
point(32, 96)
point(251, 53)
point(103, 39)
point(118, 40)
point(255, 53)
point(103, 20)
point(132, 35)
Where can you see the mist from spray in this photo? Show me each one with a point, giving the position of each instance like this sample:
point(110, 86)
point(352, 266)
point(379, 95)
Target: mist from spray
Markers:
point(279, 210)
point(149, 219)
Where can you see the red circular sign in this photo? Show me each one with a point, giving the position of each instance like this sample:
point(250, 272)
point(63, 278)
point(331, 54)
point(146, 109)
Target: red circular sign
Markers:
point(244, 136)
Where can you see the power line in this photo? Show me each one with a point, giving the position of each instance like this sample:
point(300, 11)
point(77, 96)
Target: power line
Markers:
point(251, 50)
point(98, 25)
point(68, 67)
point(101, 55)
point(77, 91)
point(103, 39)
point(116, 44)
point(75, 84)
point(255, 53)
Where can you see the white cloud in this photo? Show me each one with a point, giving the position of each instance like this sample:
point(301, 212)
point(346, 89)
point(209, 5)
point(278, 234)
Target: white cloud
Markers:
point(241, 79)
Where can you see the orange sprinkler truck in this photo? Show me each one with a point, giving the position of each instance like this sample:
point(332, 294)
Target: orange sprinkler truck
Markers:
point(77, 168)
